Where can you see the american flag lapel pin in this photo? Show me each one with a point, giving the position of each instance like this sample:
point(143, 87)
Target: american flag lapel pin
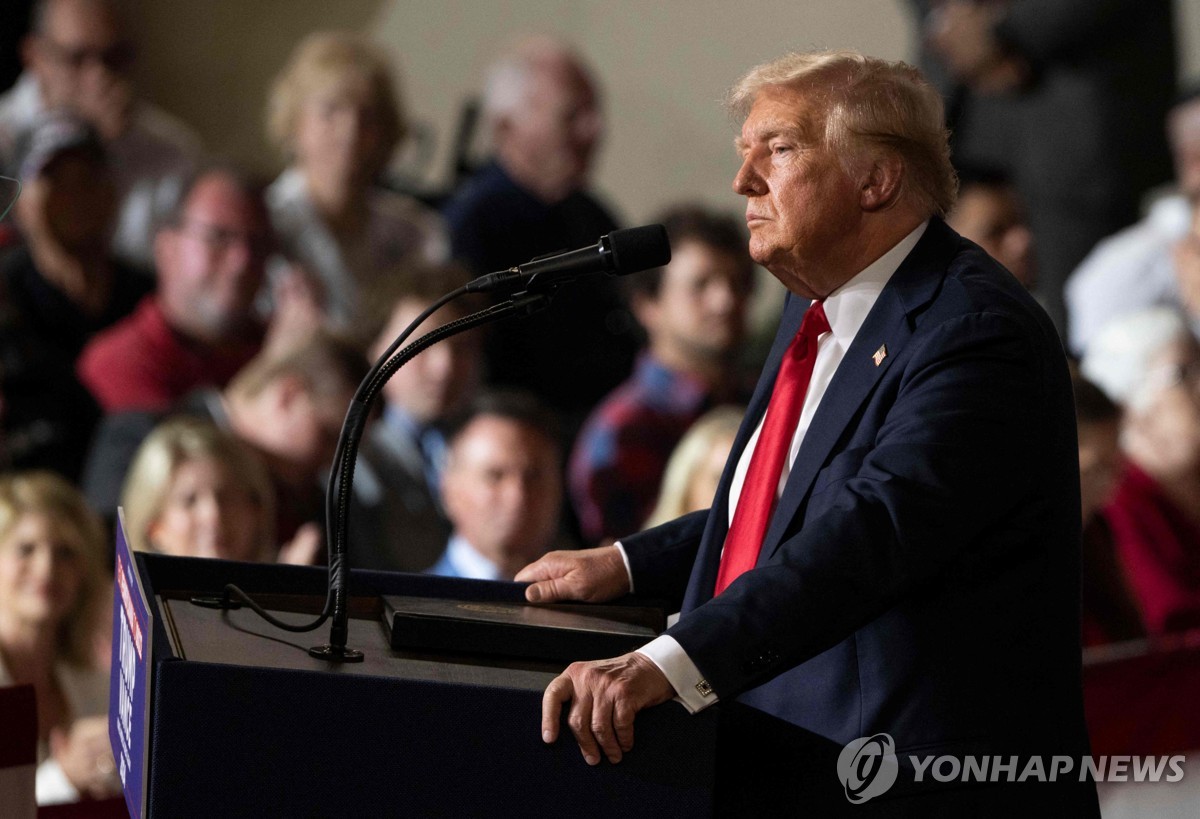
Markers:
point(880, 355)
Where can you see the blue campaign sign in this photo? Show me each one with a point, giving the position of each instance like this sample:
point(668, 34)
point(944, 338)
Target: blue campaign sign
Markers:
point(129, 685)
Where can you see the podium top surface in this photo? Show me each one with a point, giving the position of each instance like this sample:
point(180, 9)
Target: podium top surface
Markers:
point(241, 638)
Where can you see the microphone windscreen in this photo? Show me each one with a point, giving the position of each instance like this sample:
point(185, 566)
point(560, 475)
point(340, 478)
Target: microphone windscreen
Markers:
point(639, 248)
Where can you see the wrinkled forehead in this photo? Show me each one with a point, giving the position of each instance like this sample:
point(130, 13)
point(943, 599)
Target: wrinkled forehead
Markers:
point(789, 110)
point(560, 83)
point(219, 199)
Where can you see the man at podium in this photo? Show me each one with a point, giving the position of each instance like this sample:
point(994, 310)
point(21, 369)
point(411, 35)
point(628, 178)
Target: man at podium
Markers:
point(893, 546)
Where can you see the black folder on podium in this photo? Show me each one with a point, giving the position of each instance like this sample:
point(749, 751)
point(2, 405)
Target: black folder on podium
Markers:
point(243, 722)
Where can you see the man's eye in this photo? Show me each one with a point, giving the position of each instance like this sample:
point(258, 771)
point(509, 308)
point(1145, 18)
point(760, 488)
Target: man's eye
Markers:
point(779, 150)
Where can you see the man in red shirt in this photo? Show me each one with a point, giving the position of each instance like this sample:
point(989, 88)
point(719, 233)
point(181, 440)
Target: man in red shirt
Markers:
point(201, 326)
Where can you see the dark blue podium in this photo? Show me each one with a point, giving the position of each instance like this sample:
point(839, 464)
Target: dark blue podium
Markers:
point(243, 722)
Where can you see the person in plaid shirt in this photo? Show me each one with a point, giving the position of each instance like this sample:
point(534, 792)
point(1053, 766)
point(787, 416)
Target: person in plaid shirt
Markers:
point(694, 314)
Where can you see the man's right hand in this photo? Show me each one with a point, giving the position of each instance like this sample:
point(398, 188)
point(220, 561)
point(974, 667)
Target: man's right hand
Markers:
point(590, 575)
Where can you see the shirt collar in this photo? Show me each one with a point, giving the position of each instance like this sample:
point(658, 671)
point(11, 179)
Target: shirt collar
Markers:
point(468, 562)
point(847, 307)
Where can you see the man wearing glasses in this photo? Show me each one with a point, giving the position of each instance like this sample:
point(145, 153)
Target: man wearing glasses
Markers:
point(201, 326)
point(79, 56)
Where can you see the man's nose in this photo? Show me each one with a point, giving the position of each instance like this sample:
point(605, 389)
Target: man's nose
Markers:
point(748, 182)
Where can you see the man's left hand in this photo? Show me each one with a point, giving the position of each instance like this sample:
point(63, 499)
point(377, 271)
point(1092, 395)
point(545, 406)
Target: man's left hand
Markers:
point(604, 696)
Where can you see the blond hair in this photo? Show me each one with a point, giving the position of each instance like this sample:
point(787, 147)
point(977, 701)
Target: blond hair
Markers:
point(869, 103)
point(318, 61)
point(48, 494)
point(182, 440)
point(687, 457)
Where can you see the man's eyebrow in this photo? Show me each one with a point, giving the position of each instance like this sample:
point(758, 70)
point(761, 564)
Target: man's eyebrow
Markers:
point(767, 133)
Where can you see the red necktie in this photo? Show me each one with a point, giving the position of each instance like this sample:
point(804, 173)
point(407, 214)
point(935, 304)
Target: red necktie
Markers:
point(757, 501)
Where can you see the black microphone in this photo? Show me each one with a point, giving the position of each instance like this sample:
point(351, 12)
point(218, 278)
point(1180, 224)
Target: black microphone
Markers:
point(617, 254)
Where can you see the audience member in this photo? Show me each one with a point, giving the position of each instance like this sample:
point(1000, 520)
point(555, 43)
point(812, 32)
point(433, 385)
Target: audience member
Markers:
point(1066, 95)
point(1110, 613)
point(502, 488)
point(543, 116)
point(288, 406)
point(694, 314)
point(397, 521)
point(51, 589)
point(335, 116)
point(989, 213)
point(694, 469)
point(195, 490)
point(80, 56)
point(56, 291)
point(1149, 362)
point(1156, 261)
point(201, 326)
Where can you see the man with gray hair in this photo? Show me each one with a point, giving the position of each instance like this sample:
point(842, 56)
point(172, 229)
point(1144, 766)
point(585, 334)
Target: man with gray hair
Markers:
point(543, 117)
point(892, 553)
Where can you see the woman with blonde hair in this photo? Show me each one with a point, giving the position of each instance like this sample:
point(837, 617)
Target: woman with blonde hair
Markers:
point(694, 468)
point(52, 590)
point(335, 116)
point(194, 490)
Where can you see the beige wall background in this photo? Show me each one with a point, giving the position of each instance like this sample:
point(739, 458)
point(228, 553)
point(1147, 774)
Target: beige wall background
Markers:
point(664, 68)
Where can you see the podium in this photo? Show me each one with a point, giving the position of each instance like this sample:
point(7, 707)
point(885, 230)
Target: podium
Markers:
point(243, 722)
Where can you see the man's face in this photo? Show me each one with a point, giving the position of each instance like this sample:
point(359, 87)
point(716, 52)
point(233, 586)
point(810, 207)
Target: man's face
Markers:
point(1183, 129)
point(802, 209)
point(992, 217)
point(82, 60)
point(305, 424)
point(211, 265)
point(502, 488)
point(700, 309)
point(439, 380)
point(71, 203)
point(557, 129)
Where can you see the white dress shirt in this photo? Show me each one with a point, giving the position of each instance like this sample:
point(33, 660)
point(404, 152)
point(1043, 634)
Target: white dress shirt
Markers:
point(846, 309)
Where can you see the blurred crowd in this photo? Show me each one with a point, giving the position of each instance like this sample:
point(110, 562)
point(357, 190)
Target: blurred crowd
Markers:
point(181, 339)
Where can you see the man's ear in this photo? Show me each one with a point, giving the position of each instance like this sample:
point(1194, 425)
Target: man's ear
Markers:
point(882, 182)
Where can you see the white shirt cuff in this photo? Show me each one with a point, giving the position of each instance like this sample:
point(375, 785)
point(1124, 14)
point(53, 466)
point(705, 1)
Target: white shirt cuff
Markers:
point(694, 692)
point(625, 560)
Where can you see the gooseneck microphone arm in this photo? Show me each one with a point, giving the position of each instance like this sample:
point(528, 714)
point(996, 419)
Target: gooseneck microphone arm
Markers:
point(342, 476)
point(533, 283)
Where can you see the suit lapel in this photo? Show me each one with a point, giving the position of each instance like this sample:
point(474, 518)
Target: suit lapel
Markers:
point(890, 323)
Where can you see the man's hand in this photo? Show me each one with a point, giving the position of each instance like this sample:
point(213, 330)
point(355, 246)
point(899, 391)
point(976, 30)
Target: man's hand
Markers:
point(590, 575)
point(604, 696)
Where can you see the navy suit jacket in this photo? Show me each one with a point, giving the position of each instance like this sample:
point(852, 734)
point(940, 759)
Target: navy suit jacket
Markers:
point(920, 575)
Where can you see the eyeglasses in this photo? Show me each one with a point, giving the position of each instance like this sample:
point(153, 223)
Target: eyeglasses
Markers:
point(220, 239)
point(10, 189)
point(116, 58)
point(1174, 375)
